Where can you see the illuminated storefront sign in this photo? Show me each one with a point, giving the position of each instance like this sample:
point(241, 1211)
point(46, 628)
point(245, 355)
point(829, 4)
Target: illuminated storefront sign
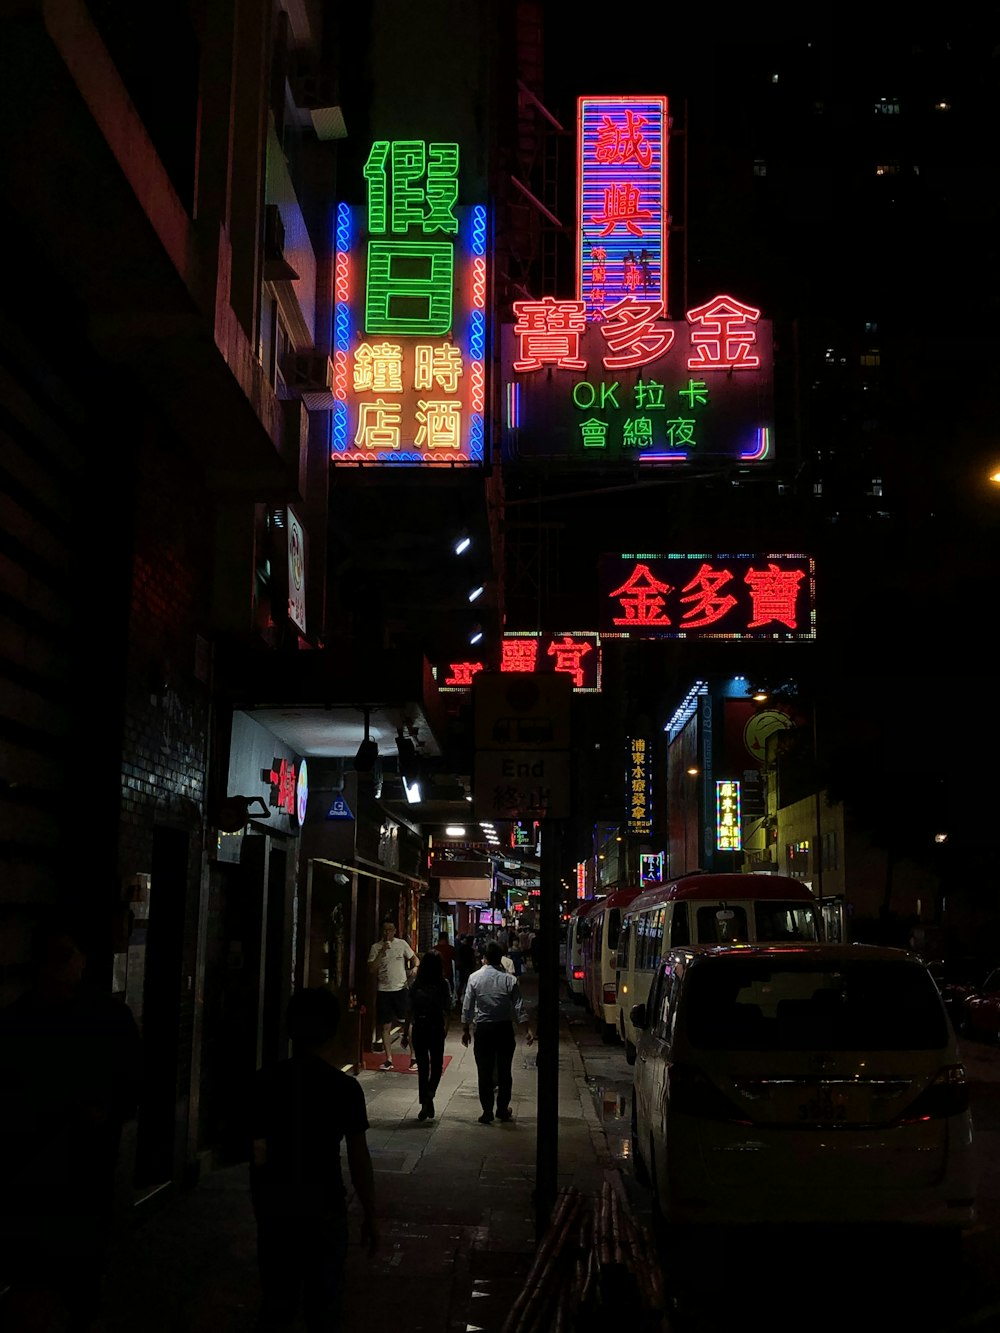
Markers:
point(410, 314)
point(581, 879)
point(289, 787)
point(576, 654)
point(702, 596)
point(639, 387)
point(639, 817)
point(621, 201)
point(728, 827)
point(296, 573)
point(650, 867)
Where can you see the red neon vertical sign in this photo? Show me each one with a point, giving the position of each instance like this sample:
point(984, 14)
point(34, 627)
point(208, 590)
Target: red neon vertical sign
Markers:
point(621, 201)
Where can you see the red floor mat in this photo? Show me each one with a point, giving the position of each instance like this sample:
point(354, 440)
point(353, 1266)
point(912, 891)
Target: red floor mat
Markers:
point(400, 1062)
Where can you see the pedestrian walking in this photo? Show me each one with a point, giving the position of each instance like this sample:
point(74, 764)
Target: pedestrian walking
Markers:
point(390, 959)
point(465, 962)
point(430, 1005)
point(301, 1110)
point(493, 1002)
point(70, 1069)
point(446, 949)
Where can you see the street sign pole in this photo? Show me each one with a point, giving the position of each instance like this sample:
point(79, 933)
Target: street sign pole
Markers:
point(547, 1019)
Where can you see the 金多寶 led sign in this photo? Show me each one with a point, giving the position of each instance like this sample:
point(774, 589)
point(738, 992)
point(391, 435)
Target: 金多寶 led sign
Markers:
point(409, 357)
point(728, 827)
point(766, 596)
point(621, 201)
point(576, 654)
point(638, 387)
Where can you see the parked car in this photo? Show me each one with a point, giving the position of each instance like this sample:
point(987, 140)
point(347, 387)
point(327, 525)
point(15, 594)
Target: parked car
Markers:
point(957, 979)
point(981, 1010)
point(801, 1083)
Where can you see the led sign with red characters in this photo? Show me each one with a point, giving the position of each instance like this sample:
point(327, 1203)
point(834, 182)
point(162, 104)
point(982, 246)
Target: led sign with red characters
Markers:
point(621, 201)
point(765, 596)
point(576, 654)
point(282, 780)
point(639, 387)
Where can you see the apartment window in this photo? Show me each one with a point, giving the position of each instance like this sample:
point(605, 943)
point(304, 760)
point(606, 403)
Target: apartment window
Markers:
point(759, 167)
point(871, 357)
point(887, 106)
point(887, 169)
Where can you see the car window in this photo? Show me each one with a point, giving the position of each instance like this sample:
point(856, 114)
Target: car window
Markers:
point(992, 982)
point(759, 1004)
point(663, 1014)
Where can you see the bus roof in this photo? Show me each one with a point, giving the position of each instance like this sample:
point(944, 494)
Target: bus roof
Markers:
point(620, 898)
point(731, 887)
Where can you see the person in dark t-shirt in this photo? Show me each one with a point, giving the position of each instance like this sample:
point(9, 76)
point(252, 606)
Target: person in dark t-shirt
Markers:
point(301, 1110)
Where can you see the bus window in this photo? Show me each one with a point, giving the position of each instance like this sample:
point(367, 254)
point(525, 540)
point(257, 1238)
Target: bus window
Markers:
point(785, 921)
point(721, 925)
point(680, 927)
point(624, 941)
point(614, 926)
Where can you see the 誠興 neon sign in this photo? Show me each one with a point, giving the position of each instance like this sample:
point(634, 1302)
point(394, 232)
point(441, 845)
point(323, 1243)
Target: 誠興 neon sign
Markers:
point(638, 386)
point(410, 314)
point(764, 596)
point(621, 201)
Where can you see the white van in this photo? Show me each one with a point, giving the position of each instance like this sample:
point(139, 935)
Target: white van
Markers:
point(801, 1083)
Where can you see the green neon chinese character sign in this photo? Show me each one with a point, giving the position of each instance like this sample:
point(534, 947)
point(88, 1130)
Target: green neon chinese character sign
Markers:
point(411, 184)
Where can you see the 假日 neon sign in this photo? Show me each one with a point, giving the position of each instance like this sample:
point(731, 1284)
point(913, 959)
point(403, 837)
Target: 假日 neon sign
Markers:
point(621, 201)
point(410, 314)
point(767, 596)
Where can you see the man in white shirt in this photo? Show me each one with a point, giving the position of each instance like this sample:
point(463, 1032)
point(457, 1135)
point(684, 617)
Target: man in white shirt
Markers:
point(493, 1001)
point(391, 959)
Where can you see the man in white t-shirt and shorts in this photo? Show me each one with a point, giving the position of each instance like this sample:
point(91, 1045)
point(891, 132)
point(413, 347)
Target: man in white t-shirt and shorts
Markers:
point(390, 960)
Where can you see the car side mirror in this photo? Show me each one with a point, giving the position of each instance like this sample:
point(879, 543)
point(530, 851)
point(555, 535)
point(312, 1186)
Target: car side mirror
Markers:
point(637, 1015)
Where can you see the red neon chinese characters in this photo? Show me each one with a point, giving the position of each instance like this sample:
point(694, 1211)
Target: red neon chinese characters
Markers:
point(726, 336)
point(630, 328)
point(462, 673)
point(568, 654)
point(282, 780)
point(621, 204)
point(618, 143)
point(773, 592)
point(708, 606)
point(642, 596)
point(518, 654)
point(549, 332)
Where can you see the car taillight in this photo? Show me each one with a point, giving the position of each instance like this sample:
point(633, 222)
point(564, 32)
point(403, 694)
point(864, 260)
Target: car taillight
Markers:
point(578, 974)
point(947, 1095)
point(610, 993)
point(692, 1093)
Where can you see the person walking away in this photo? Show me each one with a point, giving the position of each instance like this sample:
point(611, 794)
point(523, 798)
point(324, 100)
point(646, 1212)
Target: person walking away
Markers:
point(430, 1003)
point(70, 1071)
point(493, 1002)
point(301, 1110)
point(446, 949)
point(390, 959)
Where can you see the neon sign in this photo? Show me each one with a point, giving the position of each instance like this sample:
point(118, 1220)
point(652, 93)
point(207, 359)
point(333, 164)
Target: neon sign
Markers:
point(728, 826)
point(621, 201)
point(637, 386)
point(410, 314)
point(576, 654)
point(709, 596)
point(639, 818)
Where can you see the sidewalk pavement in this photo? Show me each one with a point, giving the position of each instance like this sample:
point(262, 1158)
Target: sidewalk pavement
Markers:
point(454, 1198)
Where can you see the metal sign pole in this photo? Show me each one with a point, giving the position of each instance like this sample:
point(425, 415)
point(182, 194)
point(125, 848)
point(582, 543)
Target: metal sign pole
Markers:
point(547, 1019)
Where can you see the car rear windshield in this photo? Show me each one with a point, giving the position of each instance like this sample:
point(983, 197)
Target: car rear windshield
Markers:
point(795, 1005)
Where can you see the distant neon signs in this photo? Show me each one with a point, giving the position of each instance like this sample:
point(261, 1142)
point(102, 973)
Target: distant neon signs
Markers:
point(765, 596)
point(576, 654)
point(410, 314)
point(638, 805)
point(621, 201)
point(637, 386)
point(728, 825)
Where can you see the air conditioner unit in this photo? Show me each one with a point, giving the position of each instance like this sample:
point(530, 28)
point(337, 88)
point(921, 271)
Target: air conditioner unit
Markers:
point(310, 376)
